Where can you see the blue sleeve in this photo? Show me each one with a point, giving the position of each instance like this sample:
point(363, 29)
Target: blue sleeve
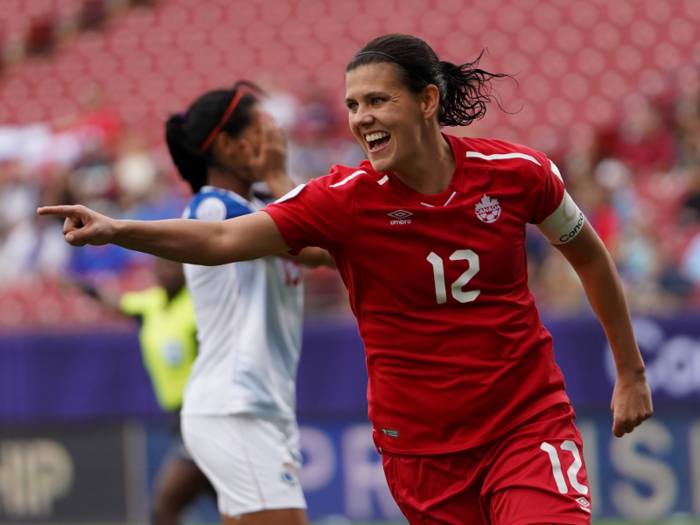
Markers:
point(214, 206)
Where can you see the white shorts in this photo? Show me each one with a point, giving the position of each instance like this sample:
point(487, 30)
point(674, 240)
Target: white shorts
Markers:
point(253, 463)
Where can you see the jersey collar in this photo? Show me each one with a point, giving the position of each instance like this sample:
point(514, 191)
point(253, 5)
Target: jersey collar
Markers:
point(440, 199)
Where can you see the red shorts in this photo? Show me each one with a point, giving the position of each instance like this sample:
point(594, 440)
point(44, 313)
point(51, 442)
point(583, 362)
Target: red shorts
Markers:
point(533, 474)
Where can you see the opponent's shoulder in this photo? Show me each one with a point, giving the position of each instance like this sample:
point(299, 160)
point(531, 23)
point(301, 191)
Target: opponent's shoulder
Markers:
point(216, 204)
point(503, 153)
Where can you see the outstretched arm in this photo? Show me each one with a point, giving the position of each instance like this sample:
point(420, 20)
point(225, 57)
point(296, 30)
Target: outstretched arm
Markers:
point(631, 400)
point(196, 242)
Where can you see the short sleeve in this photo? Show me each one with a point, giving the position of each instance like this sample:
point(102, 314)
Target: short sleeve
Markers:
point(311, 215)
point(545, 188)
point(214, 206)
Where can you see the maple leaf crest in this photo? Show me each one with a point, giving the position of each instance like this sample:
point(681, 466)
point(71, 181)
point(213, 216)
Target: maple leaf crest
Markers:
point(486, 201)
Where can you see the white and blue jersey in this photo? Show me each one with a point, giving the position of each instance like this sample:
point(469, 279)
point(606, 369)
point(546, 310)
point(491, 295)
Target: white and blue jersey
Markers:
point(249, 323)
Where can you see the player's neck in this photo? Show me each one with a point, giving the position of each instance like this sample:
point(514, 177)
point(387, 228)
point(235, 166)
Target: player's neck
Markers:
point(429, 171)
point(227, 181)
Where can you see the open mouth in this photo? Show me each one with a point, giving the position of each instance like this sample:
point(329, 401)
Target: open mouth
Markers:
point(377, 141)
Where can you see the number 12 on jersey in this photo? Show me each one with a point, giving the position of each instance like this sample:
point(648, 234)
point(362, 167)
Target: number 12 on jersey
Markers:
point(456, 288)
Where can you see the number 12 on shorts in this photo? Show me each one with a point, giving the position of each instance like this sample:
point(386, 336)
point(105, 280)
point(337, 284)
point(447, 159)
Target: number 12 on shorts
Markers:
point(568, 446)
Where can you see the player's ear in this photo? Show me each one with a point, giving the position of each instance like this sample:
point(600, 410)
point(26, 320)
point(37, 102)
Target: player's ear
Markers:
point(430, 101)
point(227, 146)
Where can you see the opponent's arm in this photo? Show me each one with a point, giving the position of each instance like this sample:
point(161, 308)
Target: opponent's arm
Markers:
point(196, 242)
point(631, 401)
point(270, 163)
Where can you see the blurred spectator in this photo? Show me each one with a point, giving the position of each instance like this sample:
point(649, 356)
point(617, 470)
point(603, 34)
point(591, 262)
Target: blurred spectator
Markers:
point(41, 36)
point(644, 143)
point(93, 15)
point(314, 143)
point(639, 186)
point(691, 204)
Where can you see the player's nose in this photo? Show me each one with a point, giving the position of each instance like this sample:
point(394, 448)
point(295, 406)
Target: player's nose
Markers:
point(362, 117)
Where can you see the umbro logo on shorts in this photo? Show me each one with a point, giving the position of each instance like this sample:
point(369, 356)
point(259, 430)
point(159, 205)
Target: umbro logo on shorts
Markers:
point(401, 217)
point(585, 504)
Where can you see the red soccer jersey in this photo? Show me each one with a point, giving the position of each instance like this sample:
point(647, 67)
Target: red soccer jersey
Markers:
point(456, 352)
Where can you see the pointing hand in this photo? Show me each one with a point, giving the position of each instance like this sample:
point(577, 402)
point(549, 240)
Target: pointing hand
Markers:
point(82, 225)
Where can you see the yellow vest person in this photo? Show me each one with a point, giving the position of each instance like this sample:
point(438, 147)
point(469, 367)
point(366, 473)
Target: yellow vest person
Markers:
point(168, 340)
point(168, 344)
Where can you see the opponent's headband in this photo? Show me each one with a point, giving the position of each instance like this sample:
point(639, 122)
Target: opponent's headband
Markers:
point(217, 128)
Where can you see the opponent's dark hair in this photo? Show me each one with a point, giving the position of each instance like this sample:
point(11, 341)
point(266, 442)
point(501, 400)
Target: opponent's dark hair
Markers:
point(189, 134)
point(464, 89)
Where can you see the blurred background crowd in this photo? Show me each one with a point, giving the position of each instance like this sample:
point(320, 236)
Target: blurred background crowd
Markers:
point(609, 91)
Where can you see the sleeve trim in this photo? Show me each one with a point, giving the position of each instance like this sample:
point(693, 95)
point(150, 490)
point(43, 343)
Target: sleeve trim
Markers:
point(499, 156)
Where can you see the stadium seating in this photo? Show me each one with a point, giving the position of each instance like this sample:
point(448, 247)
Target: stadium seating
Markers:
point(585, 71)
point(576, 62)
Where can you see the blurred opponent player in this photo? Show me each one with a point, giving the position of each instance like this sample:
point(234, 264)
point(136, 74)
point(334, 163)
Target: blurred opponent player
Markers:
point(167, 337)
point(468, 407)
point(238, 416)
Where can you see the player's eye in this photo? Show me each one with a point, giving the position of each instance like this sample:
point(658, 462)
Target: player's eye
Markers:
point(377, 100)
point(352, 106)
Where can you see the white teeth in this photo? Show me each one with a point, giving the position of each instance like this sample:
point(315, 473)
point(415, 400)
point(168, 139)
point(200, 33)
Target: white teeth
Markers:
point(376, 136)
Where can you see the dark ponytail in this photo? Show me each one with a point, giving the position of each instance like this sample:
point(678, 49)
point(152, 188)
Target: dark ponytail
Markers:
point(464, 89)
point(189, 134)
point(466, 92)
point(189, 161)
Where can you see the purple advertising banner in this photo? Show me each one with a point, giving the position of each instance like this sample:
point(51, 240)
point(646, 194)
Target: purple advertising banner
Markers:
point(87, 376)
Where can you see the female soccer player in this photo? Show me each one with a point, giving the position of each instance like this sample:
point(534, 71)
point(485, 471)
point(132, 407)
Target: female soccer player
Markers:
point(467, 404)
point(238, 414)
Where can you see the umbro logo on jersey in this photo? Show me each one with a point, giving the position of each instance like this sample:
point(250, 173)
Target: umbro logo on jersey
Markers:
point(401, 216)
point(488, 210)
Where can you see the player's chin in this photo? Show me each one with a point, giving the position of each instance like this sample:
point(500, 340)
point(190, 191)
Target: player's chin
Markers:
point(381, 163)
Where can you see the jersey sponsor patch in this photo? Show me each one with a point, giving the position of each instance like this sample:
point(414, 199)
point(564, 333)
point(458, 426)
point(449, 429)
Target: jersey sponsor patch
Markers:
point(216, 204)
point(488, 210)
point(211, 209)
point(390, 432)
point(289, 474)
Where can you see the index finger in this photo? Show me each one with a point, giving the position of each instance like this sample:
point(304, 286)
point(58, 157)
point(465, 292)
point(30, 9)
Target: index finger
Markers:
point(60, 211)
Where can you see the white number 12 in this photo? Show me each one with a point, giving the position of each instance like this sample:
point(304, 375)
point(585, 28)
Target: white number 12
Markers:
point(569, 446)
point(439, 276)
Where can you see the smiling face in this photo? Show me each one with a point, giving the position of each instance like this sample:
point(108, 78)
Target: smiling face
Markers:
point(384, 116)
